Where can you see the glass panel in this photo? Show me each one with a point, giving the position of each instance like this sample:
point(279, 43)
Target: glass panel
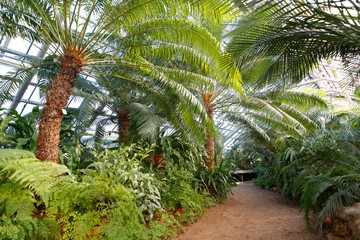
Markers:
point(19, 45)
point(28, 92)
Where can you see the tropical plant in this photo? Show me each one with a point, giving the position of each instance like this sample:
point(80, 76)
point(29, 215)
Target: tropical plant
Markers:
point(40, 201)
point(244, 158)
point(210, 88)
point(124, 167)
point(320, 170)
point(179, 152)
point(95, 207)
point(272, 113)
point(26, 187)
point(135, 114)
point(178, 191)
point(283, 40)
point(19, 131)
point(220, 181)
point(81, 47)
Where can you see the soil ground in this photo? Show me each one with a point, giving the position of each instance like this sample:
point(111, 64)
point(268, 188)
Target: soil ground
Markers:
point(252, 213)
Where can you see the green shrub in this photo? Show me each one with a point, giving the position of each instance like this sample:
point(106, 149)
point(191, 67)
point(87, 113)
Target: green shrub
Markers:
point(95, 203)
point(220, 181)
point(320, 170)
point(178, 191)
point(124, 167)
point(17, 131)
point(266, 175)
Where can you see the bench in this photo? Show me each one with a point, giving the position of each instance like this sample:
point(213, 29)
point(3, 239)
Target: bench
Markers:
point(243, 172)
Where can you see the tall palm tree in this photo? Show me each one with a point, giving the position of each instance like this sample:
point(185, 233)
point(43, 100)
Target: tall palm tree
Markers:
point(86, 36)
point(207, 81)
point(208, 99)
point(284, 40)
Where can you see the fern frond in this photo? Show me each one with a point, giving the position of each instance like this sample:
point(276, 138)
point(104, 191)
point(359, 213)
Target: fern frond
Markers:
point(30, 172)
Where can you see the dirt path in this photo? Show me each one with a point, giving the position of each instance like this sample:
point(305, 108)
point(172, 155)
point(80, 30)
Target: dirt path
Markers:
point(251, 213)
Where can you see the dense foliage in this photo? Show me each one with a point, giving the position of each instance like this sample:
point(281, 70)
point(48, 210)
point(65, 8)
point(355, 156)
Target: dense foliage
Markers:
point(119, 195)
point(321, 170)
point(163, 72)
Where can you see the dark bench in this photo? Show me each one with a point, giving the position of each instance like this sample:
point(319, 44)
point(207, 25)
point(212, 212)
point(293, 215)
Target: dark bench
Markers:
point(248, 175)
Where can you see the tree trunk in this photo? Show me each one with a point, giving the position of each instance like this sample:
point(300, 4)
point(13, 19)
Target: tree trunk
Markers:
point(53, 111)
point(123, 125)
point(209, 159)
point(209, 145)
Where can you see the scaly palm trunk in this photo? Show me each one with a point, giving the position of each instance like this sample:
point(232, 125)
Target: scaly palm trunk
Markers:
point(123, 125)
point(209, 143)
point(53, 111)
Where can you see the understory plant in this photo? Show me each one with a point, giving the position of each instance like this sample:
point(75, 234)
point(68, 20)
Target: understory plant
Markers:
point(26, 187)
point(18, 131)
point(115, 197)
point(124, 166)
point(178, 191)
point(96, 206)
point(42, 200)
point(219, 182)
point(321, 170)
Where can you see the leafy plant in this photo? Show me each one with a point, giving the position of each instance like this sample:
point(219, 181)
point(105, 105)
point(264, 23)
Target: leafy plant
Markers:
point(96, 203)
point(320, 170)
point(112, 34)
point(124, 167)
point(18, 131)
point(281, 41)
point(266, 175)
point(26, 185)
point(220, 181)
point(178, 191)
point(328, 194)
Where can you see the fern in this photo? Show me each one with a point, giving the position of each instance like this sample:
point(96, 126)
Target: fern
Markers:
point(7, 155)
point(29, 172)
point(96, 202)
point(15, 201)
point(25, 184)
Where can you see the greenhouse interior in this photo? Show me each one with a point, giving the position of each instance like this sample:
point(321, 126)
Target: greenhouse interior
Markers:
point(180, 119)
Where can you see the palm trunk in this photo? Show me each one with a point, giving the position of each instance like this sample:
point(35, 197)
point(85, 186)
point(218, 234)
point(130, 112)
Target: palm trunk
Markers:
point(123, 126)
point(209, 159)
point(209, 144)
point(53, 111)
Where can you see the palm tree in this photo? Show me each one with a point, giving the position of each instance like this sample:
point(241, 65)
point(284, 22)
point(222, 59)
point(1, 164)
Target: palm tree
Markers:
point(210, 88)
point(86, 36)
point(208, 82)
point(208, 99)
point(284, 40)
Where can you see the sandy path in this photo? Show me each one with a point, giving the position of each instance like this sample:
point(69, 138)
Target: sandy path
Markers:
point(251, 213)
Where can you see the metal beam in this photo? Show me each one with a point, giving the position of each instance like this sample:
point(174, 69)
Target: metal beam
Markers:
point(8, 50)
point(23, 88)
point(26, 101)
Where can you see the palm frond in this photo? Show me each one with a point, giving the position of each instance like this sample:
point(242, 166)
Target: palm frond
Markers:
point(294, 36)
point(146, 121)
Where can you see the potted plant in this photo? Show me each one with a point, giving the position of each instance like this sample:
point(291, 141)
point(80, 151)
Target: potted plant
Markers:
point(178, 212)
point(159, 158)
